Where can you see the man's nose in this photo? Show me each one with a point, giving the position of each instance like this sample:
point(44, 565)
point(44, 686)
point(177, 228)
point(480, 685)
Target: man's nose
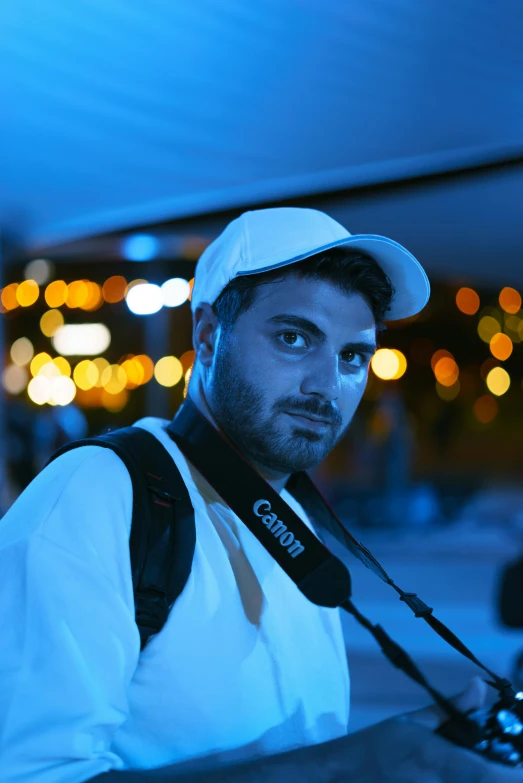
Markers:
point(323, 379)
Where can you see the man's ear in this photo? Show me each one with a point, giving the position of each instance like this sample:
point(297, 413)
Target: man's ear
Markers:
point(205, 329)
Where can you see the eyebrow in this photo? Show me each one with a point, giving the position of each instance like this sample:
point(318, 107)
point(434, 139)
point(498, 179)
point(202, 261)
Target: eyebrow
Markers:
point(310, 327)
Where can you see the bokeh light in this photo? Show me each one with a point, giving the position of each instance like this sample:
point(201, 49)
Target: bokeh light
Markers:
point(22, 351)
point(175, 292)
point(191, 286)
point(81, 339)
point(114, 288)
point(385, 364)
point(56, 293)
point(501, 346)
point(113, 379)
point(168, 371)
point(467, 301)
point(187, 360)
point(402, 364)
point(446, 371)
point(114, 402)
point(437, 355)
point(510, 300)
point(134, 371)
point(50, 322)
point(63, 366)
point(485, 409)
point(85, 374)
point(512, 325)
point(15, 379)
point(39, 270)
point(77, 293)
point(140, 247)
point(144, 299)
point(38, 362)
point(94, 298)
point(447, 393)
point(101, 365)
point(487, 366)
point(147, 365)
point(39, 389)
point(498, 381)
point(27, 293)
point(488, 326)
point(8, 297)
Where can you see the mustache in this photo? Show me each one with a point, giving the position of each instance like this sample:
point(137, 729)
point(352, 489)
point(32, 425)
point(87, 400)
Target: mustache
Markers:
point(309, 407)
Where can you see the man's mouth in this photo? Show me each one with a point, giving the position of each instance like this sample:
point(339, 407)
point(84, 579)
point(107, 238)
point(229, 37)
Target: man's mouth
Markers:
point(315, 423)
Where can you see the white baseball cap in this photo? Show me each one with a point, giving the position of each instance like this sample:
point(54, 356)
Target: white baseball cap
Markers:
point(265, 239)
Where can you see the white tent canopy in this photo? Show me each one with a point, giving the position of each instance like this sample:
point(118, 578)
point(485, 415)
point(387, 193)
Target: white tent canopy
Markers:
point(120, 113)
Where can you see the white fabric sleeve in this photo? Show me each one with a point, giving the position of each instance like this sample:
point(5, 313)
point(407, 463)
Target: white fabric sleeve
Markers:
point(69, 643)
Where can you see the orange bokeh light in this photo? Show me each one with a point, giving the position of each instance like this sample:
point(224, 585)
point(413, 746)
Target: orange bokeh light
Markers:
point(113, 289)
point(56, 293)
point(441, 354)
point(467, 301)
point(147, 365)
point(510, 300)
point(446, 371)
point(9, 300)
point(501, 346)
point(485, 409)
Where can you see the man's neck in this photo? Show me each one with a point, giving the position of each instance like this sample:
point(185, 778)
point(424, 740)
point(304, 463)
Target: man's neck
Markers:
point(197, 395)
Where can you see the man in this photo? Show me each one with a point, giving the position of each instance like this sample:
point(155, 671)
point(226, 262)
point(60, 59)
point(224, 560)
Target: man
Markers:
point(247, 680)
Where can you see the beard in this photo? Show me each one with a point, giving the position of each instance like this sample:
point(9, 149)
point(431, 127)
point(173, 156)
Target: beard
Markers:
point(265, 437)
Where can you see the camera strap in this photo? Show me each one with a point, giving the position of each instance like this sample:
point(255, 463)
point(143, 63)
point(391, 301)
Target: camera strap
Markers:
point(317, 573)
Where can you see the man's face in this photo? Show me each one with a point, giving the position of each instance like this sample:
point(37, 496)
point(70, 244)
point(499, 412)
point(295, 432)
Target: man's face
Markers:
point(288, 377)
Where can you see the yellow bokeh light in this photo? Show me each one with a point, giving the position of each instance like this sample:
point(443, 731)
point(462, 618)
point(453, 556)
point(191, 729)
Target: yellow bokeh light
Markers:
point(501, 346)
point(168, 371)
point(187, 379)
point(485, 409)
point(446, 371)
point(77, 294)
point(86, 375)
point(95, 299)
point(114, 289)
point(510, 300)
point(113, 379)
point(447, 393)
point(50, 322)
point(134, 371)
point(27, 293)
point(9, 300)
point(49, 370)
point(488, 326)
point(38, 362)
point(467, 301)
point(56, 293)
point(402, 368)
point(148, 366)
point(22, 351)
point(14, 379)
point(101, 365)
point(39, 389)
point(114, 402)
point(498, 381)
point(385, 364)
point(63, 366)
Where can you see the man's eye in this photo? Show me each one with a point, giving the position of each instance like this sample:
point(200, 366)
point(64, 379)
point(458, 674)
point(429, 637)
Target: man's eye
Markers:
point(293, 339)
point(354, 358)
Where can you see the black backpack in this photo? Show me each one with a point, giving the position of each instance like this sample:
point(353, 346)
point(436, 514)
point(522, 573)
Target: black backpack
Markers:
point(163, 531)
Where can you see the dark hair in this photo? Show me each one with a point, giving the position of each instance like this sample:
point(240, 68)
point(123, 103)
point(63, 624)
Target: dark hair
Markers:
point(352, 271)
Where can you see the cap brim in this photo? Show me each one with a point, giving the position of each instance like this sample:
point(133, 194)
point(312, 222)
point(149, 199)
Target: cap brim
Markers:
point(404, 272)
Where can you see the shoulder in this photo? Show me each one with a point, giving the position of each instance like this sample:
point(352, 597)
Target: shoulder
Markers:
point(87, 484)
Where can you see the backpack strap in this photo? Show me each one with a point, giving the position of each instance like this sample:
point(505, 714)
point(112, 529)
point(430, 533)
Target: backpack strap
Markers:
point(163, 531)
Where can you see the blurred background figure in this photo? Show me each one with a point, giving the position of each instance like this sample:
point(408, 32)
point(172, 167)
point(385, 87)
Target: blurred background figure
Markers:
point(133, 136)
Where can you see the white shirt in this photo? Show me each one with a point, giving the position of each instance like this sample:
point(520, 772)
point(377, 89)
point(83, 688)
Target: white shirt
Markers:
point(244, 666)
